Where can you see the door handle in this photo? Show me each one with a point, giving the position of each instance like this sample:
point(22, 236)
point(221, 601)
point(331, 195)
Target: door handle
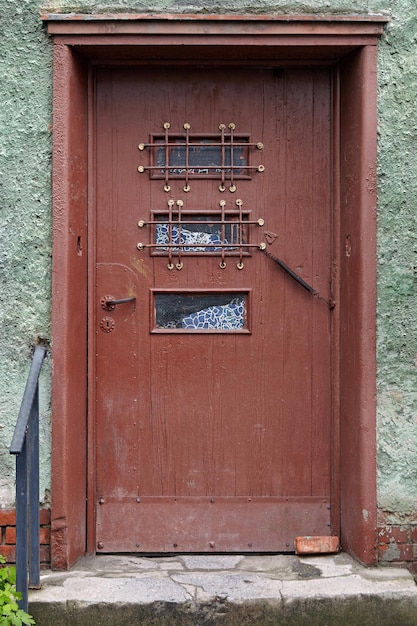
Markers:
point(108, 303)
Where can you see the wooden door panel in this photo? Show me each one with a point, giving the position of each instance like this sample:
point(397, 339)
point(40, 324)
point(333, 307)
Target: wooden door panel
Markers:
point(117, 426)
point(209, 525)
point(242, 418)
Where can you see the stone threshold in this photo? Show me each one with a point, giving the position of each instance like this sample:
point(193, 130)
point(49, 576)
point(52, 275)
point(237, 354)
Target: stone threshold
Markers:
point(202, 590)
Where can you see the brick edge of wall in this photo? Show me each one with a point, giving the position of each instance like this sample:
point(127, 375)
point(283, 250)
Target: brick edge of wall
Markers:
point(397, 545)
point(8, 536)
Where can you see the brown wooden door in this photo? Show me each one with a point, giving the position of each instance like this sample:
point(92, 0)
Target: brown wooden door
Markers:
point(215, 438)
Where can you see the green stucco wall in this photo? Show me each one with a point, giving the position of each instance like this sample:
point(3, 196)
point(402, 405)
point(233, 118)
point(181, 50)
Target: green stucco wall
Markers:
point(25, 219)
point(397, 264)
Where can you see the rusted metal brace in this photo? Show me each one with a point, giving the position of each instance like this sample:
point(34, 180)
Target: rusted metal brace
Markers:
point(331, 303)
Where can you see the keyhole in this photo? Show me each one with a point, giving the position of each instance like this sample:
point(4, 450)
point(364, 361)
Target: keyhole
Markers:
point(107, 324)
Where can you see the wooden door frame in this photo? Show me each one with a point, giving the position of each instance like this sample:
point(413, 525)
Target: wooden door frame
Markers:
point(347, 43)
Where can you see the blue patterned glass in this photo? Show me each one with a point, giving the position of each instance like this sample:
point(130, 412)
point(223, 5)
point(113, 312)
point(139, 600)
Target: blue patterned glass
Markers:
point(200, 312)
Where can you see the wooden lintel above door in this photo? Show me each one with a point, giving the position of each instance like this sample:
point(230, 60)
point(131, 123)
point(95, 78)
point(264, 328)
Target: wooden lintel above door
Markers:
point(134, 37)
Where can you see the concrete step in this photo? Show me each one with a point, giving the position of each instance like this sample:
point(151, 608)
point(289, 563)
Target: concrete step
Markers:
point(227, 590)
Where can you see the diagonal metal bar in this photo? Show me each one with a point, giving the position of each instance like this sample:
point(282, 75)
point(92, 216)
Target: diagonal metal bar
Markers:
point(27, 401)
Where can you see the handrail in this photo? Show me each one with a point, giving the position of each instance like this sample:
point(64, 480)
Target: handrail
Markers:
point(27, 401)
point(25, 446)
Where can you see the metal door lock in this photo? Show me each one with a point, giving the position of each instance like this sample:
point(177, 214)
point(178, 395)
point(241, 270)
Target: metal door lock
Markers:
point(107, 324)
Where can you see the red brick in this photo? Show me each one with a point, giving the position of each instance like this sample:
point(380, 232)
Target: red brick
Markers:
point(396, 534)
point(9, 552)
point(400, 534)
point(406, 552)
point(45, 535)
point(45, 555)
point(413, 534)
point(381, 552)
point(7, 517)
point(45, 517)
point(316, 545)
point(394, 553)
point(383, 536)
point(10, 535)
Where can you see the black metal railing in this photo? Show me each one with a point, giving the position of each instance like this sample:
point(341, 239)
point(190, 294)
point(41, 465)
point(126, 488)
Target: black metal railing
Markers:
point(25, 445)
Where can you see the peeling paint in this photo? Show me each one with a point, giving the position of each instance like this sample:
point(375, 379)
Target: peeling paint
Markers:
point(140, 266)
point(391, 553)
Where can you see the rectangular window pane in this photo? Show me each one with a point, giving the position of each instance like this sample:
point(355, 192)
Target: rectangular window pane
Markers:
point(206, 157)
point(190, 312)
point(200, 233)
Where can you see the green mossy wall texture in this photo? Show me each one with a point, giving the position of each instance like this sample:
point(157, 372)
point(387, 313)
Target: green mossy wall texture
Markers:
point(25, 218)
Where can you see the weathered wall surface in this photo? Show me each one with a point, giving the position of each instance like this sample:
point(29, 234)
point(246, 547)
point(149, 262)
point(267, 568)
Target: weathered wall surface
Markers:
point(25, 210)
point(25, 220)
point(397, 275)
